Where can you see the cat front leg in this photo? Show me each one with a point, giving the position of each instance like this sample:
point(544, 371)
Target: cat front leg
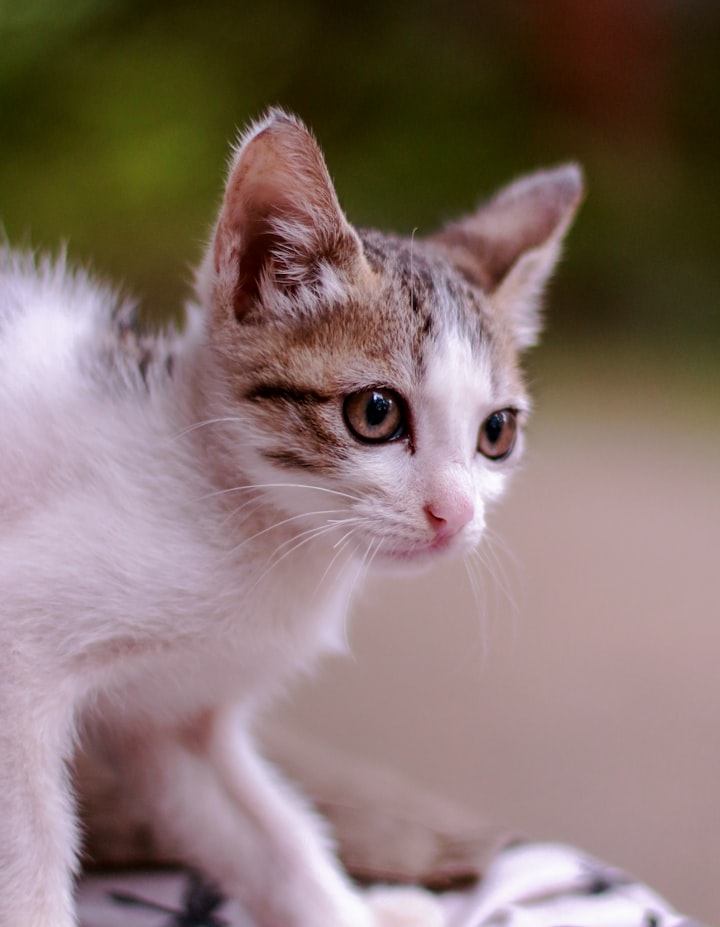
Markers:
point(231, 815)
point(38, 834)
point(313, 886)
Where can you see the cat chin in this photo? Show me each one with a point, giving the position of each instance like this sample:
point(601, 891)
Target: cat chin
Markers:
point(418, 559)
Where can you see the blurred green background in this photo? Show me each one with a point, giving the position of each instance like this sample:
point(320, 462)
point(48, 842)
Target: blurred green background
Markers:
point(601, 725)
point(115, 119)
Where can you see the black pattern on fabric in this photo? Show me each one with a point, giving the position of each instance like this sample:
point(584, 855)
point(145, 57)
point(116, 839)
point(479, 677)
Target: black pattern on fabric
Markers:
point(536, 885)
point(201, 900)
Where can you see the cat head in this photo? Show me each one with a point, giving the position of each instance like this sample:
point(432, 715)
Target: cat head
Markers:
point(371, 383)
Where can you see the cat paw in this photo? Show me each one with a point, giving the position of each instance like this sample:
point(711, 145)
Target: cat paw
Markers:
point(405, 906)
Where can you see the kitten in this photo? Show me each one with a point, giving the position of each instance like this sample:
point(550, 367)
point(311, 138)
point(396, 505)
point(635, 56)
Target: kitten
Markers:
point(184, 518)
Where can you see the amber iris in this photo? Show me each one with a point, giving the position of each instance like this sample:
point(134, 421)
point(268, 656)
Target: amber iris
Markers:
point(375, 415)
point(497, 434)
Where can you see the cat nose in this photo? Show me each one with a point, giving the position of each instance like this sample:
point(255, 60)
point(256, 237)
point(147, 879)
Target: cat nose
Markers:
point(447, 516)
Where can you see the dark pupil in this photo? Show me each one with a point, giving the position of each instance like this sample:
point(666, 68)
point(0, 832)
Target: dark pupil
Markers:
point(494, 426)
point(376, 410)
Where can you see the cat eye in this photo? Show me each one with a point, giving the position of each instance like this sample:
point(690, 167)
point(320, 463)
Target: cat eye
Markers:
point(497, 434)
point(375, 415)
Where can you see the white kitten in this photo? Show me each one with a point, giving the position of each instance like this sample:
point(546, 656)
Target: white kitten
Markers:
point(183, 519)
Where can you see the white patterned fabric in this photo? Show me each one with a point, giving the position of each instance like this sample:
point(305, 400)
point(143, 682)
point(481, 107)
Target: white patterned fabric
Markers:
point(528, 885)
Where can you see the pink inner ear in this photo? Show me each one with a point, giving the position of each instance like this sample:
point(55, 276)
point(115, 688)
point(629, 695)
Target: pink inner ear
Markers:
point(529, 214)
point(281, 214)
point(260, 240)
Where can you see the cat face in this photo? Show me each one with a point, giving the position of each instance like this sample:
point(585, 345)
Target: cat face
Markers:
point(373, 380)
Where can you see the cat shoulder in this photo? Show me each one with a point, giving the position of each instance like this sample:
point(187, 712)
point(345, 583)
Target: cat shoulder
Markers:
point(62, 329)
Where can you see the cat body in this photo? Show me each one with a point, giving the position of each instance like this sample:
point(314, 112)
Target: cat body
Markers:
point(184, 518)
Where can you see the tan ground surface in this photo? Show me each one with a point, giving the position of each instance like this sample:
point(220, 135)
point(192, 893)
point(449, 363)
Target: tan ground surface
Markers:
point(588, 711)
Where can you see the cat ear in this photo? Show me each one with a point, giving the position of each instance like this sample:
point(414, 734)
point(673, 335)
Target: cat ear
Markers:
point(281, 234)
point(511, 245)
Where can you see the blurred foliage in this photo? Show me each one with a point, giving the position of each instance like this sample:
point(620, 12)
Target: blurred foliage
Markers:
point(116, 116)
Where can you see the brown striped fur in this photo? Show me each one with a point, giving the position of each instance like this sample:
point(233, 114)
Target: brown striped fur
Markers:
point(308, 310)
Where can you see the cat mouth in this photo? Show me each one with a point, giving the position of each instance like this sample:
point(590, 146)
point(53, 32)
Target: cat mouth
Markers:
point(417, 553)
point(422, 553)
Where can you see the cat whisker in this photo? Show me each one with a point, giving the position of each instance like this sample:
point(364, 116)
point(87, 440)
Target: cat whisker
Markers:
point(368, 559)
point(490, 584)
point(203, 424)
point(338, 522)
point(255, 501)
point(300, 539)
point(322, 529)
point(362, 567)
point(339, 547)
point(498, 542)
point(280, 524)
point(468, 562)
point(249, 487)
point(254, 504)
point(495, 554)
point(472, 564)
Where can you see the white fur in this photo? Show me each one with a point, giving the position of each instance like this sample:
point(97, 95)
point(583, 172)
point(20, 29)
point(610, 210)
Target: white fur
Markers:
point(118, 583)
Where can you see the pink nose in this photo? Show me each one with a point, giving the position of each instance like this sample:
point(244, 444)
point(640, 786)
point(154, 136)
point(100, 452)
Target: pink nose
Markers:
point(448, 515)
